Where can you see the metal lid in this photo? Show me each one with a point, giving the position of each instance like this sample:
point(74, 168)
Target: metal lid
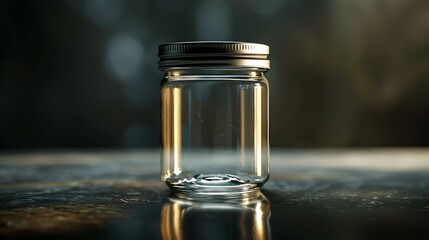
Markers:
point(213, 53)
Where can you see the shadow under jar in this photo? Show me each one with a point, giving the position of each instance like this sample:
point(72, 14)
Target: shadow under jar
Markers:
point(214, 117)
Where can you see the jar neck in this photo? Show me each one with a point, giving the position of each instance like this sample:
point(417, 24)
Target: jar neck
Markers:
point(249, 72)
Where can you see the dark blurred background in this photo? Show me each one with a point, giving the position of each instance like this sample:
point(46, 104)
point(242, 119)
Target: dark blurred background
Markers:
point(84, 73)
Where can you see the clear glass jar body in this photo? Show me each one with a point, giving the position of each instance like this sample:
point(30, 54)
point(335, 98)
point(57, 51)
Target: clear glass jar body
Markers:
point(215, 130)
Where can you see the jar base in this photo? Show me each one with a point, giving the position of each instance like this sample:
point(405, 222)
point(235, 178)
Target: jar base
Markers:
point(215, 186)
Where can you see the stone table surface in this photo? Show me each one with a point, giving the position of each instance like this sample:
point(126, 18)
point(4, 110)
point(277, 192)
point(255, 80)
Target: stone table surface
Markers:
point(312, 194)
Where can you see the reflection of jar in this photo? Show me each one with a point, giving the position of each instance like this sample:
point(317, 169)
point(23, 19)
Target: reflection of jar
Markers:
point(247, 219)
point(214, 117)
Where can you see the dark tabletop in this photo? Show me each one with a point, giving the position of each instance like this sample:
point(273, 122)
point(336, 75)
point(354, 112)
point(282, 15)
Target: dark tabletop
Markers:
point(335, 194)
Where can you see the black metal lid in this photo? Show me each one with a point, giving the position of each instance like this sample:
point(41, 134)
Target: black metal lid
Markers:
point(214, 53)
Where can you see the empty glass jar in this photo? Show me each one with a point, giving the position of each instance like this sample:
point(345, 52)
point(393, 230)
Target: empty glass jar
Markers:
point(214, 117)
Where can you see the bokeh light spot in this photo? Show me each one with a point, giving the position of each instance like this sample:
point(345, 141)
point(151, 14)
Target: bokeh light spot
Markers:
point(104, 12)
point(125, 55)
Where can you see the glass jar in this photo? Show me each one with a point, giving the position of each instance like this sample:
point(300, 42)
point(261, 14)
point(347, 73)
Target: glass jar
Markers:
point(214, 117)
